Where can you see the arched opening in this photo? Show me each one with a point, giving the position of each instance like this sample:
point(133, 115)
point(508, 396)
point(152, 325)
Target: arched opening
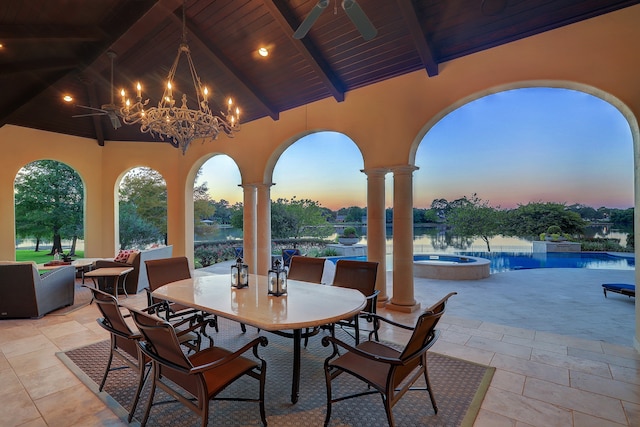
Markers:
point(142, 209)
point(49, 208)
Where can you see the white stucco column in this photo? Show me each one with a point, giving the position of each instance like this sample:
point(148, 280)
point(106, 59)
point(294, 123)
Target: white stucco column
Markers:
point(376, 228)
point(403, 293)
point(249, 219)
point(264, 228)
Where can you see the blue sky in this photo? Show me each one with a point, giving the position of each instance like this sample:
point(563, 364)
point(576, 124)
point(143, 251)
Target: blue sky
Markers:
point(513, 147)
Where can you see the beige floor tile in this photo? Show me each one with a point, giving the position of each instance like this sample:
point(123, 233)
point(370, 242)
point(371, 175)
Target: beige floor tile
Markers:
point(33, 361)
point(26, 345)
point(557, 348)
point(508, 381)
point(621, 373)
point(571, 362)
point(574, 399)
point(47, 381)
point(475, 332)
point(595, 346)
point(10, 383)
point(34, 423)
point(17, 408)
point(500, 347)
point(454, 337)
point(525, 409)
point(461, 321)
point(586, 420)
point(69, 342)
point(531, 369)
point(633, 413)
point(491, 419)
point(12, 331)
point(610, 359)
point(612, 388)
point(69, 406)
point(618, 350)
point(508, 330)
point(4, 363)
point(462, 352)
point(62, 329)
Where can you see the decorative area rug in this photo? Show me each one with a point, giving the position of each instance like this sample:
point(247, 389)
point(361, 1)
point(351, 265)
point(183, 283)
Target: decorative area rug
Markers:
point(459, 388)
point(81, 298)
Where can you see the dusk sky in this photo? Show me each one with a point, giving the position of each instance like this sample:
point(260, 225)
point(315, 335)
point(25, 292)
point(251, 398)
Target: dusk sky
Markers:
point(513, 147)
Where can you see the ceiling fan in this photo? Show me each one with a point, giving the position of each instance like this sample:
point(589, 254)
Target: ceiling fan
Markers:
point(353, 11)
point(108, 110)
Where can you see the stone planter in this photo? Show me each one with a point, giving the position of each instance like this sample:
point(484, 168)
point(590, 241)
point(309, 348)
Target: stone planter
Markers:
point(348, 241)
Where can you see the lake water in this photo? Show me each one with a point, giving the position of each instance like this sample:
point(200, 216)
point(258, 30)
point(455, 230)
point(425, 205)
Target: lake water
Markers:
point(432, 239)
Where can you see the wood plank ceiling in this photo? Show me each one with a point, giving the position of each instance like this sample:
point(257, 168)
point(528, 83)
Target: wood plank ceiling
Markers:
point(56, 47)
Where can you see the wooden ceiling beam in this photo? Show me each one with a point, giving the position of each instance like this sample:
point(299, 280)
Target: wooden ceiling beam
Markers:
point(16, 68)
point(93, 102)
point(65, 33)
point(287, 20)
point(417, 35)
point(229, 69)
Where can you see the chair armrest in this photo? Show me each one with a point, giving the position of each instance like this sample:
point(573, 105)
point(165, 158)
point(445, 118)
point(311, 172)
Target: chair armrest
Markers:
point(328, 340)
point(251, 345)
point(384, 319)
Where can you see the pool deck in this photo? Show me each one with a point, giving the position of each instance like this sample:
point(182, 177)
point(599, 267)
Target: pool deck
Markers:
point(565, 301)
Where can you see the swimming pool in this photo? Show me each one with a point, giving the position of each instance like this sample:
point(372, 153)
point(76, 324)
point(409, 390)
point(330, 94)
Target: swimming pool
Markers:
point(508, 261)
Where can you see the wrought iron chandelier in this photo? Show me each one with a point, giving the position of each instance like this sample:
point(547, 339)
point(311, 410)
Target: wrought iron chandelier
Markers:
point(180, 125)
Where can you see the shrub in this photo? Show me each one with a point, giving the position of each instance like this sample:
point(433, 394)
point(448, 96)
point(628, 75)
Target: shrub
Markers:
point(349, 232)
point(554, 229)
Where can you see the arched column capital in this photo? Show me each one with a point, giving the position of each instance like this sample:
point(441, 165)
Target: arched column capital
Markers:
point(375, 172)
point(403, 169)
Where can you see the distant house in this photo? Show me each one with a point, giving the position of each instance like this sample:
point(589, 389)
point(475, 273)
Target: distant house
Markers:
point(340, 218)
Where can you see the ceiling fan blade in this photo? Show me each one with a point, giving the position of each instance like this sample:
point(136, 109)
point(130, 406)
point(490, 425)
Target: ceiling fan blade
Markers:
point(359, 19)
point(311, 18)
point(89, 115)
point(92, 108)
point(115, 121)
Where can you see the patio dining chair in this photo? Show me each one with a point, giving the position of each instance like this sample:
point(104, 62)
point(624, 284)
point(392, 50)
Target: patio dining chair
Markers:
point(385, 370)
point(306, 269)
point(166, 270)
point(287, 254)
point(194, 380)
point(360, 275)
point(124, 341)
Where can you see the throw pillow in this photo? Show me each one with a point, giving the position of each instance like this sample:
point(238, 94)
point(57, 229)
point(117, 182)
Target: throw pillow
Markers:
point(123, 255)
point(132, 256)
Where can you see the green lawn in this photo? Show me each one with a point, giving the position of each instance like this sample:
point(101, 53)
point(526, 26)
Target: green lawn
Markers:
point(39, 257)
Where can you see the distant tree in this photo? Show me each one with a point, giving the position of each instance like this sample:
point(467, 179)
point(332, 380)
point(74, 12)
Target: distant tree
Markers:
point(135, 231)
point(586, 212)
point(146, 190)
point(223, 211)
point(49, 199)
point(298, 218)
point(419, 215)
point(623, 217)
point(236, 217)
point(534, 218)
point(473, 217)
point(430, 216)
point(203, 209)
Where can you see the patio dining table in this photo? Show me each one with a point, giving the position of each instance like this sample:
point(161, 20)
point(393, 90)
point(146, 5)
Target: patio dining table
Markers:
point(306, 305)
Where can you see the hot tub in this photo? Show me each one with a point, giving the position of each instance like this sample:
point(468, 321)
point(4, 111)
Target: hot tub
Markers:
point(450, 267)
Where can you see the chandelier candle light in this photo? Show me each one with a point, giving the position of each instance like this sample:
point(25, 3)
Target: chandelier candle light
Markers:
point(180, 125)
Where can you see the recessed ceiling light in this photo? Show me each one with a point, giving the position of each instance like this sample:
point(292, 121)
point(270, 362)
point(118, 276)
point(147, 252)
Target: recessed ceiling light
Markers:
point(263, 51)
point(67, 98)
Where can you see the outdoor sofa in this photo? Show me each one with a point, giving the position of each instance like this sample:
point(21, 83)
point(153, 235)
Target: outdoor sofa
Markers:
point(25, 293)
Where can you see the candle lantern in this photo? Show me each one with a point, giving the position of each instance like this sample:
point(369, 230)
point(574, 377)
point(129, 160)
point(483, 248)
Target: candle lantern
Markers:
point(277, 280)
point(239, 274)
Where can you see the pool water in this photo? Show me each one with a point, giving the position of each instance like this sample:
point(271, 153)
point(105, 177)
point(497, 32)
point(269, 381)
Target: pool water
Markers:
point(508, 261)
